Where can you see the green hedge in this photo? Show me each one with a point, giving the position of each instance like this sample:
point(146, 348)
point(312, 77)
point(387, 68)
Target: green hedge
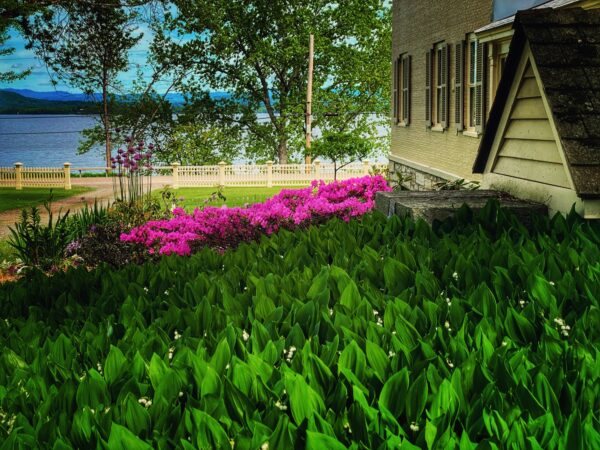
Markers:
point(370, 334)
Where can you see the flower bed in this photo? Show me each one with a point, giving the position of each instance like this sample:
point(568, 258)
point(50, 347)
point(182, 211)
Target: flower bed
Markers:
point(226, 227)
point(373, 334)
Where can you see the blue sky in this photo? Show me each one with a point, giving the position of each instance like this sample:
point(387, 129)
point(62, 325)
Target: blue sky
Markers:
point(39, 80)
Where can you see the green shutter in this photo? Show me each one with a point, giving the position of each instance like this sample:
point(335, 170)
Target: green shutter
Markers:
point(459, 80)
point(428, 82)
point(480, 88)
point(395, 99)
point(445, 72)
point(406, 95)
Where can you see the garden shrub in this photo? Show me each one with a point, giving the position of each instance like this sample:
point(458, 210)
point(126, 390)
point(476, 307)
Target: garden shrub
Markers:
point(38, 245)
point(376, 333)
point(226, 227)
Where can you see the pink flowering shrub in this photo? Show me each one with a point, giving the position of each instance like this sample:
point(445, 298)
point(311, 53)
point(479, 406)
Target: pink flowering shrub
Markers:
point(226, 227)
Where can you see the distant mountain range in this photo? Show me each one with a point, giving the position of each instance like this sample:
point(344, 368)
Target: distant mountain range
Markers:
point(27, 101)
point(13, 103)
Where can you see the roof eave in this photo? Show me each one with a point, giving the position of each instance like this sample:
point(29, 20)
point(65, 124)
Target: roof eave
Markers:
point(512, 62)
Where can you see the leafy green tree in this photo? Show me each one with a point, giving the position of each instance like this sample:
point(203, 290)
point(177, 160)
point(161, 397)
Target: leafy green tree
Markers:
point(257, 51)
point(14, 15)
point(86, 44)
point(343, 149)
point(198, 144)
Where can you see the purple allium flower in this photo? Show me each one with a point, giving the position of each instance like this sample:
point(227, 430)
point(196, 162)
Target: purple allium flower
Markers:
point(128, 139)
point(120, 151)
point(137, 156)
point(118, 130)
point(113, 166)
point(72, 247)
point(151, 146)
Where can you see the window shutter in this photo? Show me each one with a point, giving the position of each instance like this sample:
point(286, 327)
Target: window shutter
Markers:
point(395, 106)
point(459, 80)
point(445, 83)
point(480, 88)
point(428, 81)
point(406, 81)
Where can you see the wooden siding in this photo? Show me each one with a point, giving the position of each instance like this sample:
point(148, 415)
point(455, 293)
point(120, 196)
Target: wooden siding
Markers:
point(529, 150)
point(529, 89)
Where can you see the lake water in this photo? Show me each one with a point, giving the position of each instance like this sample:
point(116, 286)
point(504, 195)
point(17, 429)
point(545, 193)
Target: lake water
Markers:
point(50, 141)
point(45, 141)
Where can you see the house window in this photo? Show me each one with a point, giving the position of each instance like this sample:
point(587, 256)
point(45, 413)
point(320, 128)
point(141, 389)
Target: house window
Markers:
point(436, 87)
point(405, 90)
point(473, 83)
point(439, 88)
point(500, 52)
point(402, 94)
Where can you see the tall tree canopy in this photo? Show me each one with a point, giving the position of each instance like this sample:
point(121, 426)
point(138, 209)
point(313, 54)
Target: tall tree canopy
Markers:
point(257, 51)
point(86, 44)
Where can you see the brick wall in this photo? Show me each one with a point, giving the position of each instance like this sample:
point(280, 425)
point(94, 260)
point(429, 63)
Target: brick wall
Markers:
point(417, 26)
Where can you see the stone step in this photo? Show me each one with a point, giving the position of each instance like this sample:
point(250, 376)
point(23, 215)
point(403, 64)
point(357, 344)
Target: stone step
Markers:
point(439, 205)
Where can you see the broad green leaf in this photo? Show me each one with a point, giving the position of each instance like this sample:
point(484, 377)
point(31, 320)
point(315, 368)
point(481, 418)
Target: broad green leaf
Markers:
point(115, 365)
point(393, 393)
point(416, 398)
point(353, 359)
point(304, 401)
point(221, 357)
point(318, 441)
point(350, 296)
point(122, 439)
point(92, 391)
point(377, 359)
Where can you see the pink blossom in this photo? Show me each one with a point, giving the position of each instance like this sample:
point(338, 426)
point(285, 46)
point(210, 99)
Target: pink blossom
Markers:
point(225, 227)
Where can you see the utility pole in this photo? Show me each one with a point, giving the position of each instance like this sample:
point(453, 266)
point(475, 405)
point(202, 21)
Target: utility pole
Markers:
point(311, 55)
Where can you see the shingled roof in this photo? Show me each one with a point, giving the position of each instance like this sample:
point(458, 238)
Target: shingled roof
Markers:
point(565, 45)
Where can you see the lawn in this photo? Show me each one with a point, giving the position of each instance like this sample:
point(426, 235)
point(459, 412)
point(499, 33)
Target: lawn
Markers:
point(235, 196)
point(376, 333)
point(6, 251)
point(10, 198)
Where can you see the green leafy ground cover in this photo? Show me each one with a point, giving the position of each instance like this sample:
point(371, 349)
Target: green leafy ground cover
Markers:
point(10, 198)
point(234, 196)
point(370, 334)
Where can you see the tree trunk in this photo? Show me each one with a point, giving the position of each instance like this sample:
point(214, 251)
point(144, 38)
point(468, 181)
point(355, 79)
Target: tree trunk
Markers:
point(105, 119)
point(282, 153)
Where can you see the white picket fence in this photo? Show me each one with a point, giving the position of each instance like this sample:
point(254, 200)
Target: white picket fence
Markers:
point(222, 174)
point(20, 176)
point(269, 174)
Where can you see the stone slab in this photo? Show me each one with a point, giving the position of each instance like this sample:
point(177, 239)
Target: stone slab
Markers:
point(439, 205)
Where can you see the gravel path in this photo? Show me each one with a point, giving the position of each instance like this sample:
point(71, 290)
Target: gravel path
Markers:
point(103, 192)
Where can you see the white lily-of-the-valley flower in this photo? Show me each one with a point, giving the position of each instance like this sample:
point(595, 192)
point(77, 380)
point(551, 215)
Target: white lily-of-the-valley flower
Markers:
point(145, 402)
point(455, 276)
point(564, 328)
point(245, 335)
point(289, 353)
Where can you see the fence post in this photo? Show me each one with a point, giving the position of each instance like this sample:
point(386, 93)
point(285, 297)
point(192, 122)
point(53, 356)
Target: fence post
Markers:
point(222, 165)
point(269, 173)
point(175, 167)
point(366, 167)
point(317, 169)
point(19, 176)
point(67, 176)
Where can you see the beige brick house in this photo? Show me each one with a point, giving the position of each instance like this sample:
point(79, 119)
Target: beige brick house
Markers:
point(448, 57)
